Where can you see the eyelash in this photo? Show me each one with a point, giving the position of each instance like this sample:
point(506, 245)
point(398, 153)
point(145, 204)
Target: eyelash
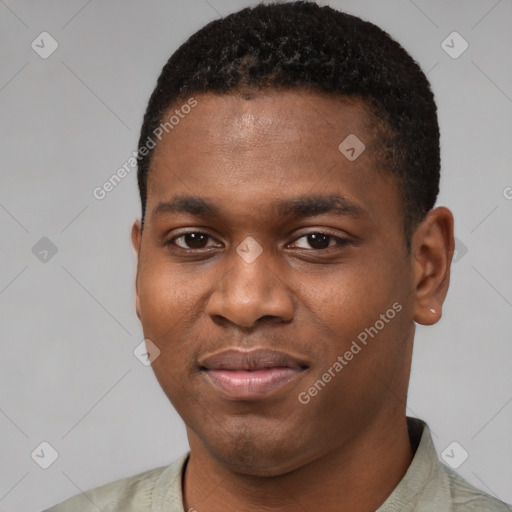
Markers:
point(340, 241)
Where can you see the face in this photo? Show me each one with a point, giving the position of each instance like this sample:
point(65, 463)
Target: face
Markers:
point(261, 234)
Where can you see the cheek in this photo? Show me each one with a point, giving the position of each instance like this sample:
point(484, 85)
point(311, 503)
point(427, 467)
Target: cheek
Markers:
point(164, 302)
point(351, 297)
point(172, 304)
point(166, 290)
point(359, 304)
point(168, 301)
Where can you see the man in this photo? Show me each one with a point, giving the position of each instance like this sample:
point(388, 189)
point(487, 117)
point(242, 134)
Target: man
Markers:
point(288, 171)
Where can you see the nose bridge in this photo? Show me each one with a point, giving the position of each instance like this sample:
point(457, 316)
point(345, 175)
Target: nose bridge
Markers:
point(250, 289)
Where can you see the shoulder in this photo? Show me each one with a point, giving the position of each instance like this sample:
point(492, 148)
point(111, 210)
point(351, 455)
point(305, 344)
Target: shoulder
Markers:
point(132, 494)
point(467, 498)
point(121, 494)
point(430, 485)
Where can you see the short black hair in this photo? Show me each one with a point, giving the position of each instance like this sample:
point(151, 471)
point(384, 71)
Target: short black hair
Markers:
point(301, 45)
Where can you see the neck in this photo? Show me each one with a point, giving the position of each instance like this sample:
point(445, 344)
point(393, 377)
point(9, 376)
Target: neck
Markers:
point(356, 477)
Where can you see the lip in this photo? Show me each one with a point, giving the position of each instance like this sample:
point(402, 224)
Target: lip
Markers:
point(251, 375)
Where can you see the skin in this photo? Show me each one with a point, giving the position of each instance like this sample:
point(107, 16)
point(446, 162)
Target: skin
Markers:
point(347, 448)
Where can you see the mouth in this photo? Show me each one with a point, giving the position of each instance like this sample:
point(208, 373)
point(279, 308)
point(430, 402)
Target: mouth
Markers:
point(251, 375)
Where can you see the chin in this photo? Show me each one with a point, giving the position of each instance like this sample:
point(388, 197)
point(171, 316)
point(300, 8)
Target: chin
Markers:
point(255, 454)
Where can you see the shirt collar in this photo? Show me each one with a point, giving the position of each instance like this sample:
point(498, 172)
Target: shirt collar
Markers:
point(424, 468)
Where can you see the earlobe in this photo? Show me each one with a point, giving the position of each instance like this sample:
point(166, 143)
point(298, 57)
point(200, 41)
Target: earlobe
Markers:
point(429, 317)
point(431, 253)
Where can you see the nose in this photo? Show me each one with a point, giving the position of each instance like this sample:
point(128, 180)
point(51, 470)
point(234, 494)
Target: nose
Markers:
point(248, 292)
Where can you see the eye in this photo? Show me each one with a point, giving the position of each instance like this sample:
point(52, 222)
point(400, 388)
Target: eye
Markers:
point(192, 240)
point(321, 241)
point(196, 240)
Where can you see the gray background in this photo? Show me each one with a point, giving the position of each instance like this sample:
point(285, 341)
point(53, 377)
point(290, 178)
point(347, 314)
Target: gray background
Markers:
point(68, 327)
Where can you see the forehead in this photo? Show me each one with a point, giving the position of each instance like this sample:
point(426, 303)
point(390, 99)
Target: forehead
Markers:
point(271, 117)
point(275, 144)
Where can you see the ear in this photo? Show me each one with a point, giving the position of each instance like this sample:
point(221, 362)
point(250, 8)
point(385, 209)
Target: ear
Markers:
point(136, 242)
point(432, 248)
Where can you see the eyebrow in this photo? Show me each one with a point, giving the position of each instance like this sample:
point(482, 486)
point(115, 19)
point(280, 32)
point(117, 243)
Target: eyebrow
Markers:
point(298, 207)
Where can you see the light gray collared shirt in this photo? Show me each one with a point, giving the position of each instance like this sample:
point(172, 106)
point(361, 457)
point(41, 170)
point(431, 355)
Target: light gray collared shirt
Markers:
point(428, 486)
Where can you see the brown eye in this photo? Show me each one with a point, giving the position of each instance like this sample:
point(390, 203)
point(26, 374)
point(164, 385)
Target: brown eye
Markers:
point(319, 241)
point(195, 240)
